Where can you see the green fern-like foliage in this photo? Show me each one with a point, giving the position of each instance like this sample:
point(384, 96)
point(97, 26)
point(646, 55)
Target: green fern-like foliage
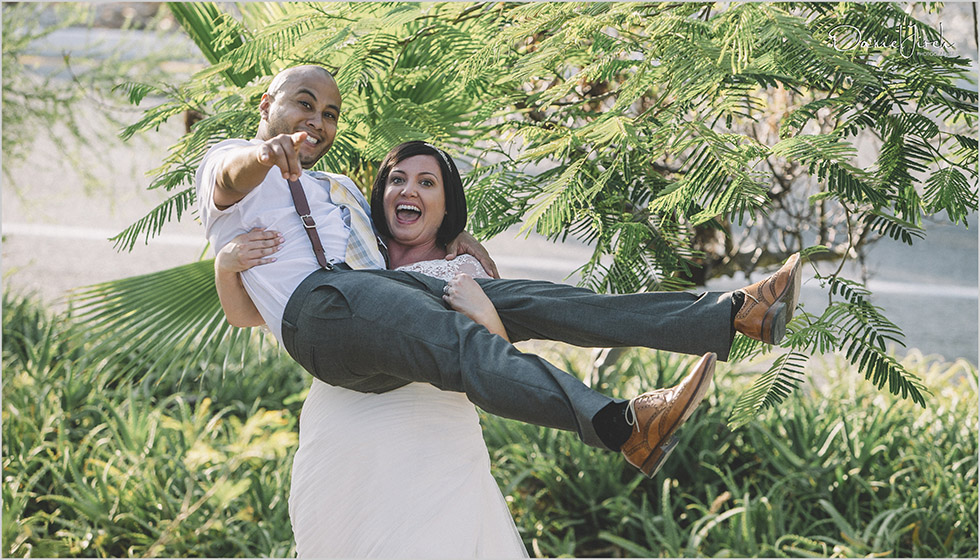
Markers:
point(785, 375)
point(682, 141)
point(852, 325)
point(139, 322)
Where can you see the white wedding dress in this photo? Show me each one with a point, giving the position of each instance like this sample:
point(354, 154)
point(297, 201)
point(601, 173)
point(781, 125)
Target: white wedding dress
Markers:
point(402, 474)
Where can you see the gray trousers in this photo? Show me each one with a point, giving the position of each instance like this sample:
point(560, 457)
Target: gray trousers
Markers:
point(377, 330)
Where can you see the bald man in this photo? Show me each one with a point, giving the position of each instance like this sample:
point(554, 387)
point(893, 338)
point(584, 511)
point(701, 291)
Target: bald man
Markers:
point(378, 330)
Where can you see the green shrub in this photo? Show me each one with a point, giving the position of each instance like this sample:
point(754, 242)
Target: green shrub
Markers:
point(840, 469)
point(200, 467)
point(170, 468)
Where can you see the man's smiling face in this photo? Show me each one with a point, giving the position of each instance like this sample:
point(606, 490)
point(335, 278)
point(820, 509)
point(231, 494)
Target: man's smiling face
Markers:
point(305, 99)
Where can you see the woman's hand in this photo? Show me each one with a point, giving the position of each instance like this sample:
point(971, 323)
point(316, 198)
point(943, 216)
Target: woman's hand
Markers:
point(465, 295)
point(242, 253)
point(249, 249)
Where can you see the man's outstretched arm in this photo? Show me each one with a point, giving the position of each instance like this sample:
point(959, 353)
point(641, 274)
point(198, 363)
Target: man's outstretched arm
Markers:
point(245, 168)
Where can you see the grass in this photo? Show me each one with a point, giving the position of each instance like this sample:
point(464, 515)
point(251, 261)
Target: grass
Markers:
point(840, 470)
point(93, 466)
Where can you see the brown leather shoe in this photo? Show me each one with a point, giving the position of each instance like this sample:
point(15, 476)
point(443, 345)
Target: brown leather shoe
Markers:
point(656, 415)
point(769, 304)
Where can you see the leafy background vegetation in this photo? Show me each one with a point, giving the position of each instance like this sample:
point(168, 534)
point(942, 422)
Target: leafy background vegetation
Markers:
point(96, 467)
point(683, 141)
point(56, 101)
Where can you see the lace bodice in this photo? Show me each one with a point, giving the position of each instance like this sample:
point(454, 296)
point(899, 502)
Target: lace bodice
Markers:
point(445, 270)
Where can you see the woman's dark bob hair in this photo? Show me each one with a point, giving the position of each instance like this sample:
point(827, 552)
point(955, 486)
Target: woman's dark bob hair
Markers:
point(452, 185)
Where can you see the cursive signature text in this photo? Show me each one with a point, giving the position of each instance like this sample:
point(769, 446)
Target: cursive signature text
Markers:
point(849, 38)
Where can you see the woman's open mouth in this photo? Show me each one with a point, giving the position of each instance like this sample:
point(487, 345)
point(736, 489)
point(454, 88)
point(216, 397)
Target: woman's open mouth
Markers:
point(408, 213)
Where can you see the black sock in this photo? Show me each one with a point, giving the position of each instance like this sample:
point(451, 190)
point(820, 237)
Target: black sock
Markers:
point(611, 426)
point(738, 298)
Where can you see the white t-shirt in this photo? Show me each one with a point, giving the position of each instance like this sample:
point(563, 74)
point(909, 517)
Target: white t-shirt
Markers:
point(270, 206)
